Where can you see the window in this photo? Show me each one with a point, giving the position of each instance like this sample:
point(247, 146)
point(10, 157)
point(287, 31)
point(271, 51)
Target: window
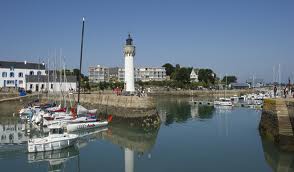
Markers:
point(42, 86)
point(51, 86)
point(31, 72)
point(20, 74)
point(11, 68)
point(39, 73)
point(4, 74)
point(10, 82)
point(20, 81)
point(11, 74)
point(31, 86)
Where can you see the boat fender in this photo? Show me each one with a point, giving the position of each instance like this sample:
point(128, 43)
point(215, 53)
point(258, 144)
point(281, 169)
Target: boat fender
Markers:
point(109, 119)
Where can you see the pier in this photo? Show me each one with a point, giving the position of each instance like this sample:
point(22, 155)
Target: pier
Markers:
point(277, 122)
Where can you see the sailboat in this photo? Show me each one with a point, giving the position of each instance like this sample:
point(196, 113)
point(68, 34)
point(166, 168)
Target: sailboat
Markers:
point(223, 101)
point(83, 123)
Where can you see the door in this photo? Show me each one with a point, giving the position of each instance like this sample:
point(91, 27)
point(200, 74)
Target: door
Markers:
point(37, 87)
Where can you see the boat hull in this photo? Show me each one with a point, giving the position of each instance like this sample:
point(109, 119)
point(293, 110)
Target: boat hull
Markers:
point(83, 126)
point(42, 145)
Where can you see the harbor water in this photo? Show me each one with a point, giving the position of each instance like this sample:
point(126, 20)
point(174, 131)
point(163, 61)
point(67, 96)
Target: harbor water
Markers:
point(190, 138)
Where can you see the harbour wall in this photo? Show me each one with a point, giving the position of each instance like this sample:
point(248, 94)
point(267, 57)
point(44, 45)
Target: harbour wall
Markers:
point(277, 122)
point(15, 97)
point(200, 93)
point(119, 106)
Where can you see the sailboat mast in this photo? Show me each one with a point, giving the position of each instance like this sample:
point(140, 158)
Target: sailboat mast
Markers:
point(81, 58)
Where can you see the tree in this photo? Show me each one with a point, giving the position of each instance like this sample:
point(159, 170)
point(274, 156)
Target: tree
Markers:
point(229, 79)
point(183, 75)
point(169, 68)
point(207, 76)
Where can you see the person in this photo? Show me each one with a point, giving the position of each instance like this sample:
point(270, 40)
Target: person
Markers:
point(275, 91)
point(292, 91)
point(285, 92)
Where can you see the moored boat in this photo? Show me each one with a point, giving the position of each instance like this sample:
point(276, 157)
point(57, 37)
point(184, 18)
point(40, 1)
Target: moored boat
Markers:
point(56, 140)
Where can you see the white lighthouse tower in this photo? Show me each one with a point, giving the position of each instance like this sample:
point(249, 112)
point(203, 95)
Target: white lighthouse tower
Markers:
point(129, 53)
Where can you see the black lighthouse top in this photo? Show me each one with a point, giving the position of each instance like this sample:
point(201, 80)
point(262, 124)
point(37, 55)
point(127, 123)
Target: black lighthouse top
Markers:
point(129, 41)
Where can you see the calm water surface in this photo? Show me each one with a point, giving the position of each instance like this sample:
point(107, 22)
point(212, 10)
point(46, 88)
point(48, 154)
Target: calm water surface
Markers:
point(191, 138)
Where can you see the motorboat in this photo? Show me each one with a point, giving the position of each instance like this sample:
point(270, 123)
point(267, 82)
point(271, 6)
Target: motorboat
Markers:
point(57, 139)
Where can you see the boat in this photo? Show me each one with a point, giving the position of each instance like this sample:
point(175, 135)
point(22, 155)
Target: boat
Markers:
point(56, 140)
point(71, 127)
point(223, 102)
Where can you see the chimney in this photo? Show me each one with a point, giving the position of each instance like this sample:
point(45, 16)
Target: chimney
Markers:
point(25, 62)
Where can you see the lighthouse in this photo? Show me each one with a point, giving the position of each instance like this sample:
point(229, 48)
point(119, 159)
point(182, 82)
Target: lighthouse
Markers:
point(129, 53)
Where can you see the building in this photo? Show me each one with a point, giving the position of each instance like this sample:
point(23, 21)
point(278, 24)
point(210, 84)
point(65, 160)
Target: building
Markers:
point(114, 74)
point(98, 74)
point(194, 75)
point(152, 74)
point(44, 83)
point(129, 54)
point(13, 74)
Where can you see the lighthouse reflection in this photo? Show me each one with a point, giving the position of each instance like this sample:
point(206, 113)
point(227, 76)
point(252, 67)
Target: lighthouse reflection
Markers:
point(133, 140)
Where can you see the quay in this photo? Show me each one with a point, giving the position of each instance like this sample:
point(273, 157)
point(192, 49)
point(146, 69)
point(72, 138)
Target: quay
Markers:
point(6, 97)
point(131, 108)
point(212, 94)
point(277, 122)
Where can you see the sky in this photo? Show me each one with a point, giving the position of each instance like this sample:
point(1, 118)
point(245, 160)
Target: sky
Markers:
point(233, 37)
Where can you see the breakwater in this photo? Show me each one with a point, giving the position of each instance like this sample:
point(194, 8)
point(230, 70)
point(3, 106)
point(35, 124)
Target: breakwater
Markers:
point(277, 122)
point(119, 106)
point(200, 93)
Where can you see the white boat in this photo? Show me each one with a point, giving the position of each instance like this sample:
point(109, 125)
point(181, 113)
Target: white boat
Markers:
point(71, 127)
point(56, 140)
point(223, 102)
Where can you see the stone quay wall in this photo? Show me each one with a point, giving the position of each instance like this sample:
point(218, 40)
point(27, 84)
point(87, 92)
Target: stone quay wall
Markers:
point(7, 95)
point(201, 93)
point(120, 106)
point(15, 97)
point(277, 122)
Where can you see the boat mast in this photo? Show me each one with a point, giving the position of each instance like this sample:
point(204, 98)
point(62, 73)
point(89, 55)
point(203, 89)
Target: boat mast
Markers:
point(81, 58)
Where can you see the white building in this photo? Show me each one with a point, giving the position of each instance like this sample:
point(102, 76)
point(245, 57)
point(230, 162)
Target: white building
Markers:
point(12, 74)
point(98, 74)
point(118, 74)
point(152, 74)
point(194, 75)
point(43, 83)
point(129, 53)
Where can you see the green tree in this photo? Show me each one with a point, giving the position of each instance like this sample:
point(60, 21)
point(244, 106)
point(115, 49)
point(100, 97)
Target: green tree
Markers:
point(183, 75)
point(207, 76)
point(229, 79)
point(169, 68)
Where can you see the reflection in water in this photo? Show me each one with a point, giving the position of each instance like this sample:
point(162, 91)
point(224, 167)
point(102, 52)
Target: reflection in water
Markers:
point(12, 132)
point(56, 159)
point(179, 110)
point(278, 160)
point(132, 140)
point(205, 112)
point(137, 139)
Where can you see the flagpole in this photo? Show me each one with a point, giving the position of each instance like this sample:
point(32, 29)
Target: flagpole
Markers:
point(81, 58)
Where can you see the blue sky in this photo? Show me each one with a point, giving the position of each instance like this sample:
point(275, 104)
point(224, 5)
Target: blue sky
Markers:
point(237, 37)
